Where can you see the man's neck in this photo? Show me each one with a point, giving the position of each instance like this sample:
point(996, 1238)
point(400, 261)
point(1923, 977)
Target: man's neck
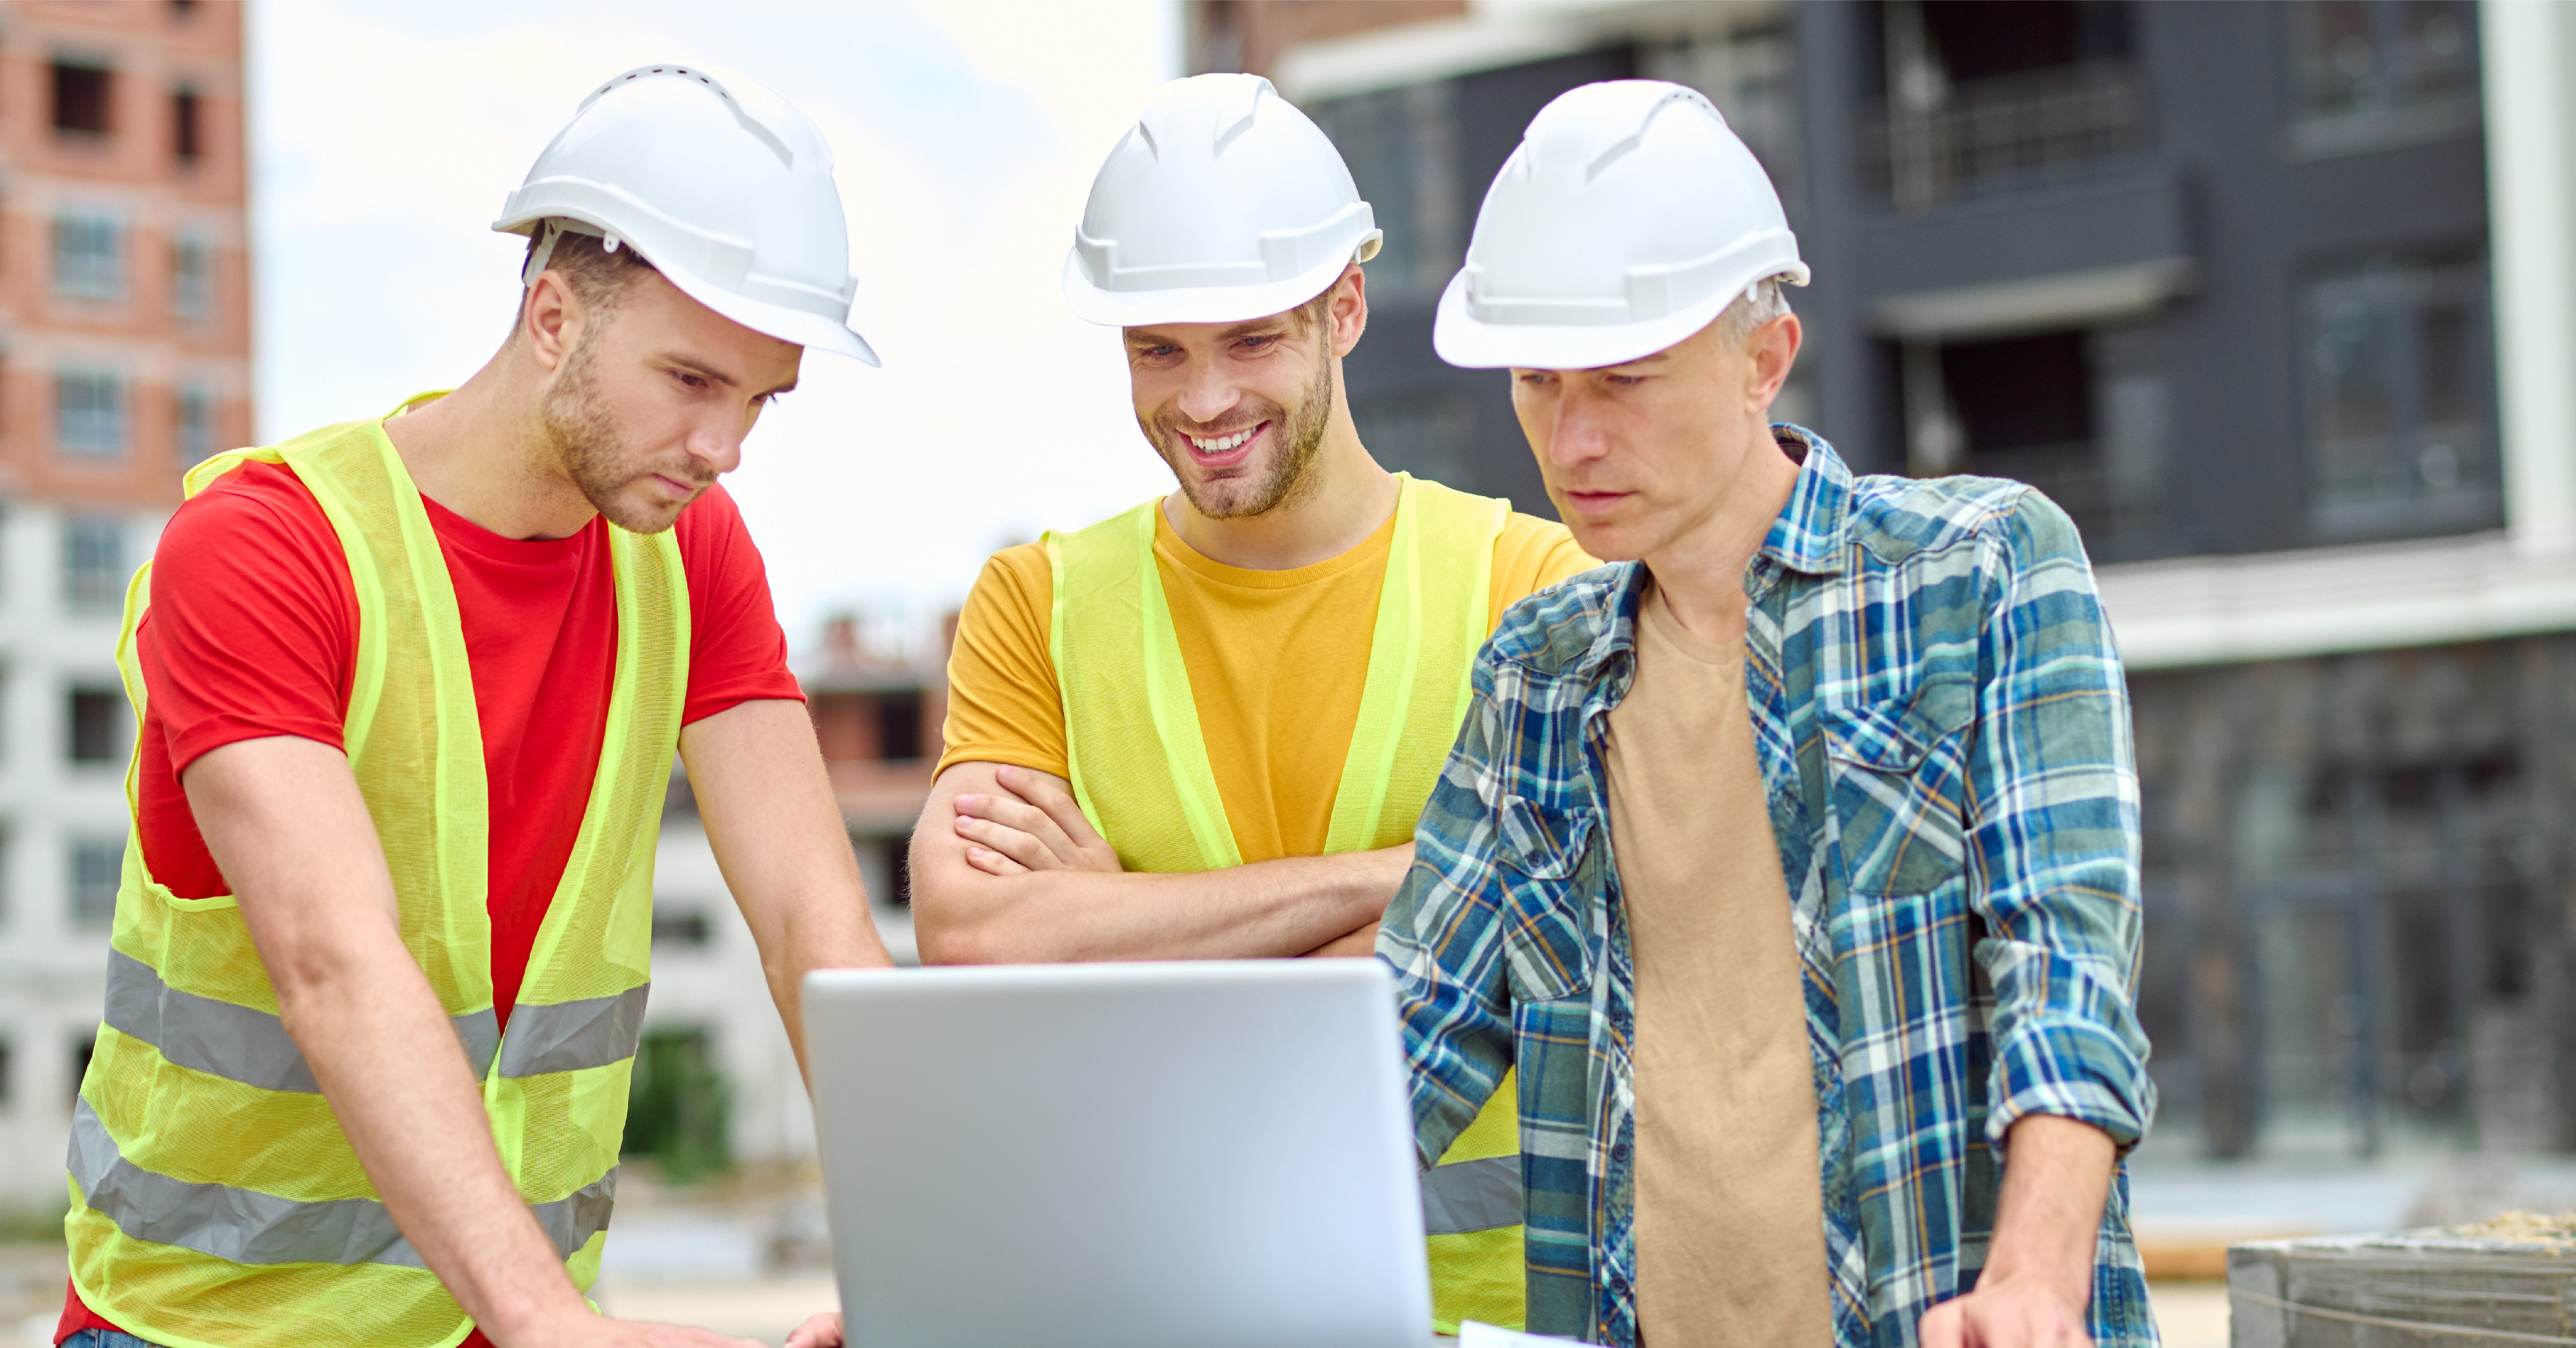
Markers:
point(482, 452)
point(1701, 574)
point(1346, 496)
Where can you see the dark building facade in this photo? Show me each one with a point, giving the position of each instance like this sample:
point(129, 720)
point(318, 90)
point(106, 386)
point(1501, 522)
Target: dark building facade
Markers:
point(2216, 277)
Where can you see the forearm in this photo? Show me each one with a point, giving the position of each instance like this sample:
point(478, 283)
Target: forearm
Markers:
point(2057, 1176)
point(1268, 909)
point(381, 1048)
point(779, 839)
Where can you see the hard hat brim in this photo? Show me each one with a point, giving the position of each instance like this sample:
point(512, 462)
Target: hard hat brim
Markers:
point(1471, 343)
point(1202, 304)
point(809, 330)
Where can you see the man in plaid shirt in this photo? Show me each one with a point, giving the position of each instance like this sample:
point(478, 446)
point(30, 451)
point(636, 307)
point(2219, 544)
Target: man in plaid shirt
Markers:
point(1793, 860)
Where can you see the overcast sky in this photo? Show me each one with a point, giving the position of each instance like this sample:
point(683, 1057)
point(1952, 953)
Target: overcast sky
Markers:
point(384, 138)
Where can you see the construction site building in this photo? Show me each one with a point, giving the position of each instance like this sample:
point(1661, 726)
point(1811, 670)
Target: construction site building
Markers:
point(125, 345)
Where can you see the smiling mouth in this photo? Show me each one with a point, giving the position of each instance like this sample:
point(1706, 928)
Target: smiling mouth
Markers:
point(1223, 449)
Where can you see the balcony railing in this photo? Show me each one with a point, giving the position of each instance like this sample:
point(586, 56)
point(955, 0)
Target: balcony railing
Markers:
point(1937, 143)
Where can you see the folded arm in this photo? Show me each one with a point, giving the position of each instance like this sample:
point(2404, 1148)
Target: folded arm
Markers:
point(779, 839)
point(287, 825)
point(1005, 869)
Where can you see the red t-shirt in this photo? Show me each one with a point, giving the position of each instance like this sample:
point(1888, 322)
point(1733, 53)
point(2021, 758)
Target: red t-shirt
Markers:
point(253, 632)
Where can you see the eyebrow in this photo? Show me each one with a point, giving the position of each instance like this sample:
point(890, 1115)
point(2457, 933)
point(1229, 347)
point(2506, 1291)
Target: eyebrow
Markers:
point(699, 367)
point(1141, 337)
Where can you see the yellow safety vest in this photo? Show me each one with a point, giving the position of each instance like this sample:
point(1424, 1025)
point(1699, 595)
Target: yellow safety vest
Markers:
point(1140, 771)
point(215, 1203)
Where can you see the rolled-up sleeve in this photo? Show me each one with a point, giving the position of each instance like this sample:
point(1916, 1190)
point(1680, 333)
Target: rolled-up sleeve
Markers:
point(2053, 861)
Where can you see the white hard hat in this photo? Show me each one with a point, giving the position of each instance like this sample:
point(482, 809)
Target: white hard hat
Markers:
point(1223, 203)
point(1627, 219)
point(720, 184)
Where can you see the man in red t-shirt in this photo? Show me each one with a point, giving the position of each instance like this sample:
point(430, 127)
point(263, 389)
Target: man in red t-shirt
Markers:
point(263, 807)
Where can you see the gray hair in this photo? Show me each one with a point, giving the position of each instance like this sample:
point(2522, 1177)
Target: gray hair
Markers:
point(1761, 302)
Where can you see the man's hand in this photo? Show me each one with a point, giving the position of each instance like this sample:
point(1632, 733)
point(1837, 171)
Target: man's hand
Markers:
point(1030, 823)
point(823, 1331)
point(2038, 1280)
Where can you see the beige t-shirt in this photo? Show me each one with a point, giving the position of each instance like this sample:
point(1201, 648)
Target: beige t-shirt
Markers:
point(1729, 1213)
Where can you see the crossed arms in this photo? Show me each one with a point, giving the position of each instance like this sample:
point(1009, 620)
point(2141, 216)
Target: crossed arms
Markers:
point(1005, 869)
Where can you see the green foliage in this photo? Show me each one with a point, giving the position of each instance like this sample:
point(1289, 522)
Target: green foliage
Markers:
point(677, 1111)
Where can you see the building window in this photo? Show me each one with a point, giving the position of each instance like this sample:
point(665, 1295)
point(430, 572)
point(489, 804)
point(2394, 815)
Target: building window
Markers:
point(192, 277)
point(2400, 392)
point(187, 132)
point(89, 413)
point(2039, 409)
point(98, 866)
point(675, 927)
point(97, 725)
point(1983, 95)
point(83, 93)
point(1402, 148)
point(89, 257)
point(899, 725)
point(94, 570)
point(2374, 56)
point(196, 425)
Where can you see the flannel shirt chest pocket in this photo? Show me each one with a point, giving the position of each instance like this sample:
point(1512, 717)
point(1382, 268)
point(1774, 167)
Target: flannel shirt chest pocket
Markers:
point(1545, 855)
point(1898, 786)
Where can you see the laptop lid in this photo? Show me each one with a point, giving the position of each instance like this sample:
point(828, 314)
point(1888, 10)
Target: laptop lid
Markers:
point(1119, 1155)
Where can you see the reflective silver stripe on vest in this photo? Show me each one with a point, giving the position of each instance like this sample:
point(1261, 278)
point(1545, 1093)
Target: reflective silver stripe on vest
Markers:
point(569, 1036)
point(241, 1043)
point(252, 1047)
point(250, 1227)
point(1467, 1196)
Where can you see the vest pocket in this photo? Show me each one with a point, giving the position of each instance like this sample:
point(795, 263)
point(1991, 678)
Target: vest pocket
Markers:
point(1898, 787)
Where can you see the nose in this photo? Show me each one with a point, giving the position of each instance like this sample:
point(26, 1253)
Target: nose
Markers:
point(1582, 431)
point(714, 443)
point(1208, 395)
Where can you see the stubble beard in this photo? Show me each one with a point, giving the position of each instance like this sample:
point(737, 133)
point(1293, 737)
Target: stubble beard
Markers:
point(1291, 473)
point(591, 448)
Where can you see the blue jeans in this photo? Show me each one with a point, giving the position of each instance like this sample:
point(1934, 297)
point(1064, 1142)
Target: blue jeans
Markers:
point(103, 1338)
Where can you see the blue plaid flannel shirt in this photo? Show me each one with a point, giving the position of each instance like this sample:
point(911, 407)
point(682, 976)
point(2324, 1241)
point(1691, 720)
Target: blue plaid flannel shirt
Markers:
point(1943, 731)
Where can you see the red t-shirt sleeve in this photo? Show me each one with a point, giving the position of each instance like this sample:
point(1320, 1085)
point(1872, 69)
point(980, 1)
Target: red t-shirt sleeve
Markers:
point(737, 651)
point(253, 625)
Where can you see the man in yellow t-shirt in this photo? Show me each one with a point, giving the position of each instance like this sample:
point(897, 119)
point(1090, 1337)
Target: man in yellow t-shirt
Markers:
point(1269, 569)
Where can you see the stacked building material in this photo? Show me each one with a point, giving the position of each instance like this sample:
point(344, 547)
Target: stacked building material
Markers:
point(2509, 1283)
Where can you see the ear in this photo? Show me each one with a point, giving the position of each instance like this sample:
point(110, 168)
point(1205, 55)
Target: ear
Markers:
point(550, 319)
point(1774, 351)
point(1347, 315)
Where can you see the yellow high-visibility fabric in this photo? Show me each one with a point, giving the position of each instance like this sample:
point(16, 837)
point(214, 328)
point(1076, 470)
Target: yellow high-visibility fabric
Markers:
point(258, 1167)
point(1139, 763)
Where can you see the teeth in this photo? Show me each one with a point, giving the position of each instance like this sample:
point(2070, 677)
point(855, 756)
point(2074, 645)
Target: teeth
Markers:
point(1223, 443)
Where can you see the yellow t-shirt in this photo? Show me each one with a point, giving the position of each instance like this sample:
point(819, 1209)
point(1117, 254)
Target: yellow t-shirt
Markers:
point(1277, 662)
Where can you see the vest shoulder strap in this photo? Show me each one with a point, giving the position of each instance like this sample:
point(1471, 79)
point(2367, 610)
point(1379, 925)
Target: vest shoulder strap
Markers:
point(1137, 756)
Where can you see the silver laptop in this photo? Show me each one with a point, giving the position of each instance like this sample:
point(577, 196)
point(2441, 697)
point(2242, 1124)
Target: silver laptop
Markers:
point(1119, 1156)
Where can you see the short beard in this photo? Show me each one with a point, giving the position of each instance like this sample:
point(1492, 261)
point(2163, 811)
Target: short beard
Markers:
point(591, 447)
point(1292, 472)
